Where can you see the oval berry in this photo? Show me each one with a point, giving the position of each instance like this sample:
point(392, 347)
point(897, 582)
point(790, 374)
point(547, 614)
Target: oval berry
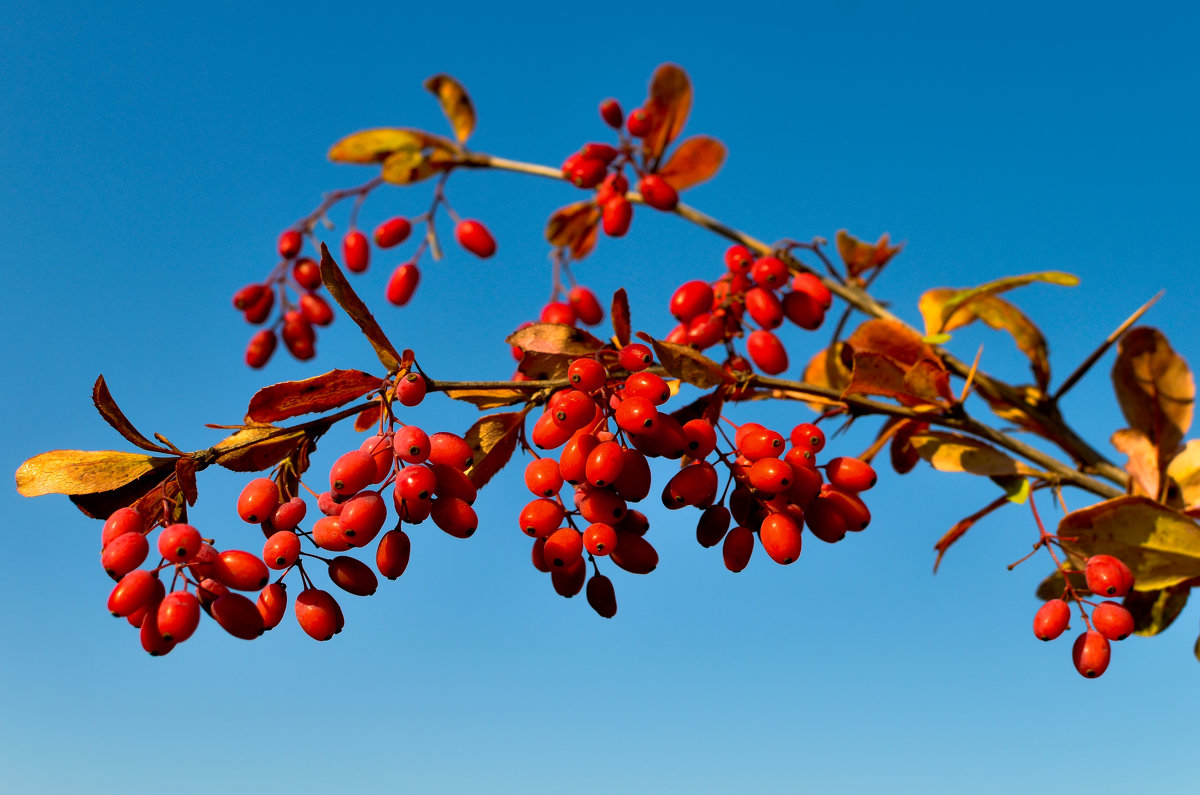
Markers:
point(1091, 654)
point(402, 284)
point(1051, 620)
point(258, 500)
point(475, 238)
point(392, 232)
point(1112, 621)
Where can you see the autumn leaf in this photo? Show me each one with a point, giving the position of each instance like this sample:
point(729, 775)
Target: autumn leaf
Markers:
point(952, 452)
point(575, 228)
point(695, 160)
point(860, 256)
point(185, 476)
point(408, 167)
point(1142, 465)
point(493, 439)
point(554, 338)
point(1155, 389)
point(488, 398)
point(904, 456)
point(938, 313)
point(826, 369)
point(376, 146)
point(344, 294)
point(1184, 472)
point(456, 104)
point(369, 417)
point(669, 103)
point(891, 360)
point(319, 393)
point(1161, 546)
point(687, 364)
point(113, 415)
point(86, 471)
point(620, 317)
point(256, 448)
point(1154, 611)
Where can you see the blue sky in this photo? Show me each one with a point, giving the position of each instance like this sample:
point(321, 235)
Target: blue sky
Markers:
point(153, 152)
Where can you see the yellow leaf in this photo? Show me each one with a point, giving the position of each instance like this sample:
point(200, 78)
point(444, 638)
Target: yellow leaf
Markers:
point(406, 167)
point(1155, 389)
point(860, 256)
point(1184, 470)
point(488, 398)
point(374, 146)
point(492, 439)
point(950, 452)
point(1161, 546)
point(963, 298)
point(1154, 611)
point(456, 104)
point(85, 471)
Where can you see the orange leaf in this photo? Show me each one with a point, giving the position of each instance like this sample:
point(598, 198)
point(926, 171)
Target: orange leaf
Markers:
point(860, 256)
point(827, 369)
point(488, 398)
point(620, 317)
point(86, 471)
point(456, 104)
point(493, 439)
point(575, 227)
point(319, 393)
point(185, 476)
point(904, 456)
point(343, 293)
point(695, 160)
point(891, 360)
point(1142, 465)
point(375, 146)
point(368, 417)
point(688, 364)
point(669, 104)
point(1155, 389)
point(255, 448)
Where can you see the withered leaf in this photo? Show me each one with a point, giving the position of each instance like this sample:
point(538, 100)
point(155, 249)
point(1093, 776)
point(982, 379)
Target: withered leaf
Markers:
point(952, 452)
point(1155, 388)
point(669, 103)
point(687, 364)
point(319, 393)
point(344, 294)
point(185, 475)
point(622, 329)
point(545, 366)
point(456, 104)
point(1142, 465)
point(86, 471)
point(488, 398)
point(113, 415)
point(1160, 545)
point(860, 256)
point(554, 338)
point(254, 449)
point(695, 160)
point(1154, 611)
point(493, 439)
point(574, 227)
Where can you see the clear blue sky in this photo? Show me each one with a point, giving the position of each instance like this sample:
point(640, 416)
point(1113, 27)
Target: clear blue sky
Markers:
point(151, 153)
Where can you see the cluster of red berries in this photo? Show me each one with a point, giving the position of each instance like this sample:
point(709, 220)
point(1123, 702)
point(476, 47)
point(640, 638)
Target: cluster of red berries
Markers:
point(753, 288)
point(1105, 576)
point(608, 425)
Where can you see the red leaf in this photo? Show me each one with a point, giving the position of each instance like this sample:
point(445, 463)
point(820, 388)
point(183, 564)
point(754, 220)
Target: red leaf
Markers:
point(620, 317)
point(319, 393)
point(113, 415)
point(669, 104)
point(343, 293)
point(493, 439)
point(695, 160)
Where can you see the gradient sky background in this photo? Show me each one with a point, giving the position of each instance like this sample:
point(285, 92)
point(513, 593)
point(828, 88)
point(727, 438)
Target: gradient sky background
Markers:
point(151, 153)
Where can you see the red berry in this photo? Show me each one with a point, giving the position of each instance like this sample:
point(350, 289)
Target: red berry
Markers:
point(1107, 576)
point(179, 543)
point(258, 311)
point(391, 556)
point(769, 272)
point(124, 554)
point(601, 596)
point(454, 516)
point(802, 310)
point(392, 232)
point(1112, 621)
point(475, 238)
point(634, 554)
point(410, 390)
point(657, 192)
point(352, 576)
point(636, 415)
point(616, 216)
point(352, 473)
point(635, 357)
point(542, 477)
point(356, 251)
point(318, 613)
point(258, 500)
point(260, 348)
point(362, 518)
point(120, 522)
point(808, 435)
point(135, 589)
point(850, 474)
point(290, 243)
point(557, 312)
point(767, 352)
point(695, 484)
point(307, 273)
point(152, 639)
point(739, 545)
point(563, 547)
point(586, 172)
point(402, 284)
point(701, 438)
point(713, 525)
point(600, 538)
point(610, 111)
point(771, 476)
point(541, 517)
point(691, 299)
point(586, 375)
point(586, 306)
point(411, 444)
point(738, 259)
point(757, 442)
point(825, 520)
point(178, 616)
point(639, 123)
point(249, 295)
point(780, 537)
point(281, 550)
point(290, 514)
point(316, 309)
point(450, 449)
point(1051, 619)
point(272, 604)
point(240, 570)
point(238, 616)
point(764, 307)
point(812, 286)
point(1091, 654)
point(327, 534)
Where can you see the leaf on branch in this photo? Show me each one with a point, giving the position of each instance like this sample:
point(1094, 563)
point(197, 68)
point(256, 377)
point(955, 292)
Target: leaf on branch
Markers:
point(893, 361)
point(1054, 586)
point(1155, 388)
point(669, 103)
point(827, 368)
point(575, 228)
point(319, 393)
point(998, 314)
point(695, 160)
point(344, 294)
point(493, 439)
point(1154, 611)
point(1184, 472)
point(939, 313)
point(456, 104)
point(410, 166)
point(904, 456)
point(113, 415)
point(687, 364)
point(622, 329)
point(87, 471)
point(168, 493)
point(376, 146)
point(1161, 546)
point(554, 338)
point(952, 452)
point(544, 366)
point(256, 448)
point(1142, 465)
point(488, 398)
point(185, 476)
point(860, 256)
point(368, 417)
